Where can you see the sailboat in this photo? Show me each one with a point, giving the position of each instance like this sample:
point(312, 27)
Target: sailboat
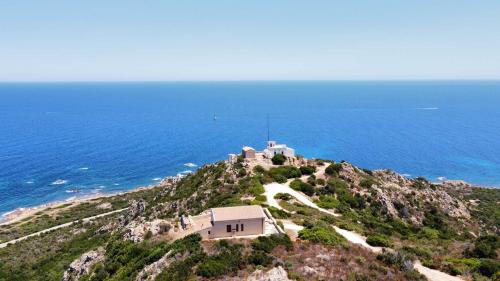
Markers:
point(215, 117)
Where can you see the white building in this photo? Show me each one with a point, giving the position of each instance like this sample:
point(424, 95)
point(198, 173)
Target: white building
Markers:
point(274, 149)
point(227, 222)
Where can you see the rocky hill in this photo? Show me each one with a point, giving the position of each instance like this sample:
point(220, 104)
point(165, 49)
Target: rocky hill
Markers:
point(452, 227)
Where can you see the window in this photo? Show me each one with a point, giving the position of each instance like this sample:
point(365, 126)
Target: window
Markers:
point(209, 232)
point(228, 228)
point(237, 228)
point(242, 229)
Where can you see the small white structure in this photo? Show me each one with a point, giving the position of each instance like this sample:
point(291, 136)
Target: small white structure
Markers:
point(232, 158)
point(274, 149)
point(227, 222)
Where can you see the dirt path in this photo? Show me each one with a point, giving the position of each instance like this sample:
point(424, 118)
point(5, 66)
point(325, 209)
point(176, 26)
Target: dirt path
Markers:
point(3, 245)
point(273, 188)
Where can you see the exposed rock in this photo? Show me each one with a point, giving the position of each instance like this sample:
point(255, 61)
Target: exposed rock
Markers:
point(150, 272)
point(137, 230)
point(135, 209)
point(83, 264)
point(309, 270)
point(275, 274)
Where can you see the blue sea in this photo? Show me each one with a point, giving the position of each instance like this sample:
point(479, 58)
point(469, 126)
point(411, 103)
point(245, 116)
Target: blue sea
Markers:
point(111, 137)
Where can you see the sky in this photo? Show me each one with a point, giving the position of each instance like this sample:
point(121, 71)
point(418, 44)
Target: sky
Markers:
point(95, 40)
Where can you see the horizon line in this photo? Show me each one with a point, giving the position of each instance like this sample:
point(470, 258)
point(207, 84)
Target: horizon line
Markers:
point(246, 80)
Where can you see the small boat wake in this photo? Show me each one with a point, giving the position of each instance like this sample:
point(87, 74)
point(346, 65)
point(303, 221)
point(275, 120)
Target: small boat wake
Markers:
point(59, 182)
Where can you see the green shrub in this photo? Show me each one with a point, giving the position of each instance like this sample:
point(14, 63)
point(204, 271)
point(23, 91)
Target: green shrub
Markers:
point(328, 202)
point(325, 235)
point(286, 171)
point(261, 198)
point(484, 247)
point(295, 184)
point(283, 196)
point(379, 240)
point(278, 213)
point(334, 169)
point(259, 169)
point(268, 243)
point(308, 170)
point(320, 182)
point(488, 267)
point(367, 182)
point(428, 233)
point(334, 185)
point(257, 188)
point(259, 258)
point(278, 159)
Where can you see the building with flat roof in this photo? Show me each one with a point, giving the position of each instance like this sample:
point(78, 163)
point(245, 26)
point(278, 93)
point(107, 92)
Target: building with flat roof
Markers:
point(227, 222)
point(248, 152)
point(274, 149)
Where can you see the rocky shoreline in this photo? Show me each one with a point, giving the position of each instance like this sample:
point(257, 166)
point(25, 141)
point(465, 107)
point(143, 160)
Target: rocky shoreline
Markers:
point(22, 213)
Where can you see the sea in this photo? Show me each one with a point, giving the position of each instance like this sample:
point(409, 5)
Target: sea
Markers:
point(60, 141)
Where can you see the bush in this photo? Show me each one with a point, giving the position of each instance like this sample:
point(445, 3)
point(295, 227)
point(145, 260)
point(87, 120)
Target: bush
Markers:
point(259, 258)
point(484, 247)
point(283, 196)
point(259, 169)
point(257, 188)
point(328, 202)
point(428, 233)
point(303, 187)
point(286, 171)
point(379, 240)
point(261, 198)
point(488, 267)
point(335, 185)
point(308, 170)
point(268, 243)
point(334, 169)
point(320, 182)
point(295, 184)
point(278, 159)
point(278, 213)
point(325, 235)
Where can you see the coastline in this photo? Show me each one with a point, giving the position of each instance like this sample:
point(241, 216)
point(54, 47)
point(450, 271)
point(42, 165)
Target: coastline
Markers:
point(21, 213)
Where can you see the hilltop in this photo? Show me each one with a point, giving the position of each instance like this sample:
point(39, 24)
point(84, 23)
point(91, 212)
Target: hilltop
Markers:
point(452, 227)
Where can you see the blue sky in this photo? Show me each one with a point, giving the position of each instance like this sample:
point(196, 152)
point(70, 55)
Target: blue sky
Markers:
point(248, 40)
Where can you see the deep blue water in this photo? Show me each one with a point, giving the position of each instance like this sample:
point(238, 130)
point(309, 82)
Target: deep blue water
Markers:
point(127, 134)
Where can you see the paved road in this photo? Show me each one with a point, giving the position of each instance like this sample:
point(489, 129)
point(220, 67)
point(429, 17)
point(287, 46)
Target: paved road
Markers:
point(3, 245)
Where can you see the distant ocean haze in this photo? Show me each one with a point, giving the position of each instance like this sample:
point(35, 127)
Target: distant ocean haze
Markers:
point(59, 140)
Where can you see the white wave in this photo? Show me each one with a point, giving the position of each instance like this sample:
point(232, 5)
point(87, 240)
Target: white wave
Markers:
point(186, 172)
point(157, 179)
point(441, 178)
point(427, 108)
point(59, 182)
point(30, 182)
point(192, 165)
point(72, 191)
point(116, 184)
point(83, 168)
point(71, 198)
point(406, 175)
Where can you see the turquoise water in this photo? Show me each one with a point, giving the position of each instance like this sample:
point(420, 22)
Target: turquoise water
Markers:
point(110, 137)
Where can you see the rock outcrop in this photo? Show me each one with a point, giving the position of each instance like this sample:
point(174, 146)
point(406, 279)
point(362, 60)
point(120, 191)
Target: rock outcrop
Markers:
point(83, 264)
point(150, 272)
point(275, 274)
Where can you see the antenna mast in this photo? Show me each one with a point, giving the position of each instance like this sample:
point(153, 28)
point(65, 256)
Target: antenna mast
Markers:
point(268, 127)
